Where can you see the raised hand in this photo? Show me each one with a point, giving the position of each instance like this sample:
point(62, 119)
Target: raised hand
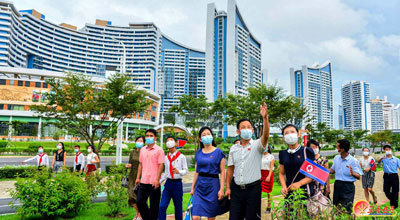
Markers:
point(264, 110)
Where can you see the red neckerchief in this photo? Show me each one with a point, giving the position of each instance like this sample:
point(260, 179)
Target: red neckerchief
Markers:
point(170, 162)
point(41, 157)
point(76, 157)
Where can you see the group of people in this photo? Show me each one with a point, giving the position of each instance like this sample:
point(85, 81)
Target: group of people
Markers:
point(249, 172)
point(81, 164)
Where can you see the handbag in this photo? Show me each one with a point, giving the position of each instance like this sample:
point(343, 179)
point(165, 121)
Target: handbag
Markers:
point(125, 179)
point(188, 213)
point(318, 202)
point(224, 204)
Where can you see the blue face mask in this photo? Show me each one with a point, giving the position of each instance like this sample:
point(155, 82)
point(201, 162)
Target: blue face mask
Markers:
point(207, 140)
point(76, 150)
point(246, 134)
point(266, 150)
point(139, 144)
point(40, 150)
point(150, 140)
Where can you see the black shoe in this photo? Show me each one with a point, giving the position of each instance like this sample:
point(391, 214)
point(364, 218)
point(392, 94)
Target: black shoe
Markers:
point(268, 211)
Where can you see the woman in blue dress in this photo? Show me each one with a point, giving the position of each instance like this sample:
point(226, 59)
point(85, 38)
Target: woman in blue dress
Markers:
point(207, 187)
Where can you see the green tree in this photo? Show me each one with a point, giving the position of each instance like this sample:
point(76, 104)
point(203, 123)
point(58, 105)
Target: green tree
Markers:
point(358, 135)
point(17, 128)
point(282, 109)
point(320, 130)
point(395, 139)
point(84, 108)
point(193, 110)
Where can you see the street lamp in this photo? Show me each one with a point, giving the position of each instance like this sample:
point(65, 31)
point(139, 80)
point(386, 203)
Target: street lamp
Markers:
point(118, 155)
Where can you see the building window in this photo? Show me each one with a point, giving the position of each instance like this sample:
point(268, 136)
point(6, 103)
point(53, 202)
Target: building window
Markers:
point(1, 106)
point(27, 83)
point(15, 107)
point(44, 85)
point(2, 81)
point(37, 84)
point(20, 83)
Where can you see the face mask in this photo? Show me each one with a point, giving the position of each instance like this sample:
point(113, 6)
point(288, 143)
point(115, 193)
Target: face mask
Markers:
point(40, 150)
point(58, 147)
point(246, 134)
point(170, 144)
point(139, 144)
point(207, 140)
point(89, 150)
point(150, 140)
point(389, 152)
point(316, 151)
point(365, 153)
point(291, 139)
point(76, 150)
point(266, 150)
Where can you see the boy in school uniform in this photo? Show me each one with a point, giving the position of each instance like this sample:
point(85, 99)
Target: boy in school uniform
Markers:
point(41, 158)
point(79, 161)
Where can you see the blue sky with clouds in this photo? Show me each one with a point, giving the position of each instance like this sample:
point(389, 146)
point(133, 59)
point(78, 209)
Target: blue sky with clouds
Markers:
point(360, 37)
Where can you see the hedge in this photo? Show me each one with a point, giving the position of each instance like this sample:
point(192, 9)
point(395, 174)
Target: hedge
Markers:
point(11, 172)
point(3, 144)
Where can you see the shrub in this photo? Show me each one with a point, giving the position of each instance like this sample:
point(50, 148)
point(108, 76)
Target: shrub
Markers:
point(115, 169)
point(16, 171)
point(64, 195)
point(3, 144)
point(117, 196)
point(94, 184)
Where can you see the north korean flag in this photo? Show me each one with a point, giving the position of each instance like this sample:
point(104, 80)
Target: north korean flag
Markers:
point(316, 172)
point(181, 143)
point(373, 165)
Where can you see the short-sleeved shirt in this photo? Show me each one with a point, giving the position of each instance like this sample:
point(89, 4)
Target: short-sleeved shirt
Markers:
point(150, 158)
point(390, 165)
point(342, 168)
point(209, 162)
point(292, 163)
point(247, 161)
point(366, 163)
point(266, 162)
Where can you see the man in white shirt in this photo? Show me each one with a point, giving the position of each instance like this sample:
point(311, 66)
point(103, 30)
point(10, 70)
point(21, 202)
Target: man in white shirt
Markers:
point(79, 161)
point(42, 158)
point(245, 161)
point(175, 168)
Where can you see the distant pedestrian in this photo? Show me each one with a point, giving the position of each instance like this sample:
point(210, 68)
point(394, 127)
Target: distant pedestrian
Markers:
point(92, 160)
point(391, 164)
point(267, 176)
point(367, 163)
point(41, 158)
point(175, 169)
point(59, 158)
point(133, 165)
point(79, 160)
point(347, 170)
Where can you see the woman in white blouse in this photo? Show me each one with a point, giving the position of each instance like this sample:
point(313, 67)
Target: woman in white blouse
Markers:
point(267, 175)
point(92, 159)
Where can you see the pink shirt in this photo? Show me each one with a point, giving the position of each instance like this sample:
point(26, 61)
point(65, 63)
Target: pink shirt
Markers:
point(150, 158)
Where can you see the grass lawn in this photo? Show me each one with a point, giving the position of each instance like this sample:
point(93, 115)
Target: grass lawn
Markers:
point(100, 211)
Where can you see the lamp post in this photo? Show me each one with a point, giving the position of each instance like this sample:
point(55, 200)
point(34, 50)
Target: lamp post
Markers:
point(162, 129)
point(118, 155)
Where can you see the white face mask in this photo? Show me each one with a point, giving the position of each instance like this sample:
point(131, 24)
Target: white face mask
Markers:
point(389, 152)
point(365, 153)
point(316, 151)
point(291, 139)
point(170, 144)
point(58, 147)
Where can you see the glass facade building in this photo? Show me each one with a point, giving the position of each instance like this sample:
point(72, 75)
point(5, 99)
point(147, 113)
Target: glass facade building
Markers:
point(233, 54)
point(313, 85)
point(28, 40)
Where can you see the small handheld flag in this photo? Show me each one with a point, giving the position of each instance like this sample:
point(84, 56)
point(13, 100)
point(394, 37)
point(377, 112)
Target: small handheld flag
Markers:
point(373, 165)
point(180, 143)
point(315, 171)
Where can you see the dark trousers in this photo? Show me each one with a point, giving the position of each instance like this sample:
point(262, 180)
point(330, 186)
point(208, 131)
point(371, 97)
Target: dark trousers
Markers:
point(343, 194)
point(172, 189)
point(245, 203)
point(78, 167)
point(147, 191)
point(391, 188)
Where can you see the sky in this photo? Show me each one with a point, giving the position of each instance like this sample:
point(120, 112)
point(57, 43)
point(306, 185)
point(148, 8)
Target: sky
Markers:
point(360, 37)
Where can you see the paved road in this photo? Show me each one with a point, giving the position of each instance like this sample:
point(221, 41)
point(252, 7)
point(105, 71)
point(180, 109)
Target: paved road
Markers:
point(6, 209)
